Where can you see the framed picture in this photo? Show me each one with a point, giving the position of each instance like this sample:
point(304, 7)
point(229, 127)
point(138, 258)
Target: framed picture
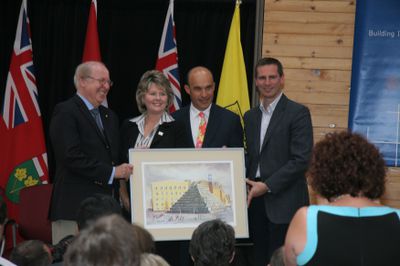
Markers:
point(175, 190)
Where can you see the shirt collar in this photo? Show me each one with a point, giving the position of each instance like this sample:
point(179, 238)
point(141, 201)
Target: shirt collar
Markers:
point(271, 107)
point(195, 112)
point(164, 118)
point(87, 103)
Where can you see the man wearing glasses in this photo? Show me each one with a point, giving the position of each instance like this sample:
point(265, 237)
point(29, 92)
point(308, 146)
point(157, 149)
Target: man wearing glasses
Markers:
point(85, 139)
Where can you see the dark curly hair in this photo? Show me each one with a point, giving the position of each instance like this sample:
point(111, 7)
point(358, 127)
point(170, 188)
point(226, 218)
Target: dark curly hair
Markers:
point(212, 244)
point(346, 163)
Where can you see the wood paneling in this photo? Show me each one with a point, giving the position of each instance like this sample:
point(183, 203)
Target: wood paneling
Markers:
point(318, 97)
point(314, 41)
point(392, 195)
point(312, 6)
point(316, 85)
point(318, 40)
point(310, 17)
point(329, 116)
point(308, 51)
point(310, 28)
point(317, 75)
point(315, 63)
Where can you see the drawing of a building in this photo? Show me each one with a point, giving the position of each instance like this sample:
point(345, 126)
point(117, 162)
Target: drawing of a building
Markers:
point(166, 193)
point(215, 189)
point(202, 196)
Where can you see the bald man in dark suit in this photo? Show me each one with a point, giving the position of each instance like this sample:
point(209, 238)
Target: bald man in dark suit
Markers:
point(223, 126)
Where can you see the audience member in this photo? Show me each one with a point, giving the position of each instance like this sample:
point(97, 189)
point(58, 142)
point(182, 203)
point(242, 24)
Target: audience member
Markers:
point(3, 221)
point(108, 242)
point(208, 125)
point(353, 228)
point(213, 244)
point(149, 259)
point(144, 239)
point(31, 253)
point(85, 138)
point(277, 258)
point(90, 210)
point(95, 207)
point(279, 140)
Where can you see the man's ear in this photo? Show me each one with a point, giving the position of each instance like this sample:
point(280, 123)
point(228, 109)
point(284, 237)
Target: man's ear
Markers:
point(187, 89)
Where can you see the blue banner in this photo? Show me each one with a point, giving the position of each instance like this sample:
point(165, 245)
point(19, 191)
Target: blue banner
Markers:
point(375, 82)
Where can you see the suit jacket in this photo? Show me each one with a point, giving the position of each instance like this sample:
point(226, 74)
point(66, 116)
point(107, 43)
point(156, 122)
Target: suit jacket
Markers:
point(168, 135)
point(223, 127)
point(84, 155)
point(283, 158)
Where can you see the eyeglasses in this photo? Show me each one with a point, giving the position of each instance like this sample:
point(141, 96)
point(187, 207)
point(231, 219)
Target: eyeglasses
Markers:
point(102, 81)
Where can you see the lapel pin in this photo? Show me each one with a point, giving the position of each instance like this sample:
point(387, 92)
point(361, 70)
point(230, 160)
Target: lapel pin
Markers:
point(160, 133)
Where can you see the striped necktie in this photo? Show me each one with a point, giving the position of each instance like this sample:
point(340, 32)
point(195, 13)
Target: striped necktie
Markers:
point(96, 115)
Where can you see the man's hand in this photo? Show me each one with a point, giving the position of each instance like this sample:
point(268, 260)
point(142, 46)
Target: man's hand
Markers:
point(123, 171)
point(123, 195)
point(255, 189)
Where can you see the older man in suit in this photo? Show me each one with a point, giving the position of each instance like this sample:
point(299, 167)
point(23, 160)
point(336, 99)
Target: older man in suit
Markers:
point(222, 127)
point(85, 139)
point(279, 142)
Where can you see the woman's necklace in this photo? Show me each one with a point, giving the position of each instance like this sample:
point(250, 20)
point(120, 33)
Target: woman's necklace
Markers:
point(339, 197)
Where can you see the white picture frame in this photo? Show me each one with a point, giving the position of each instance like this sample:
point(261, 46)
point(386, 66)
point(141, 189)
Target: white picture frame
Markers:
point(174, 190)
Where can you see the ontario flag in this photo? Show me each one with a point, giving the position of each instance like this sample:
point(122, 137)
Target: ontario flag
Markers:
point(167, 61)
point(91, 50)
point(23, 154)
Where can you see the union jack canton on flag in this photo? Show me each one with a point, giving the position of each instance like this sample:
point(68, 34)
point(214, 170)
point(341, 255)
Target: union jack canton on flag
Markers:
point(167, 61)
point(23, 157)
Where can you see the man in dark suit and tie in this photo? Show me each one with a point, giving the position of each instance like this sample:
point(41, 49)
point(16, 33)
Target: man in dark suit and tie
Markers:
point(222, 127)
point(85, 139)
point(207, 125)
point(279, 141)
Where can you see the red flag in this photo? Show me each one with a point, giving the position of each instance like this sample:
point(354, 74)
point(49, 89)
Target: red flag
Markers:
point(167, 61)
point(91, 50)
point(23, 154)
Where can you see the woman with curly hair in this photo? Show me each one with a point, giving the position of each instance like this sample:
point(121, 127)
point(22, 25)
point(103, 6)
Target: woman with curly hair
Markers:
point(352, 228)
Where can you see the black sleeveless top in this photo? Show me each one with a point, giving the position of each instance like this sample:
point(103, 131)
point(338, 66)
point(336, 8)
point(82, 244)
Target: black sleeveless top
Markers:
point(341, 236)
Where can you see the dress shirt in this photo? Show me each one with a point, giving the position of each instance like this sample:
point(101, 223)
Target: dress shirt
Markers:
point(265, 119)
point(141, 140)
point(90, 107)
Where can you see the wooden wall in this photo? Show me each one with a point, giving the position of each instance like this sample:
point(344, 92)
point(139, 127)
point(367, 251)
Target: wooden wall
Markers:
point(314, 41)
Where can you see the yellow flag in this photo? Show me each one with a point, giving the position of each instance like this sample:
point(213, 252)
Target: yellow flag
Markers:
point(233, 92)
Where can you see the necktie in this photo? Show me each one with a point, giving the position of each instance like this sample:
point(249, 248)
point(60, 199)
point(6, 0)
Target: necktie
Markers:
point(96, 115)
point(202, 130)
